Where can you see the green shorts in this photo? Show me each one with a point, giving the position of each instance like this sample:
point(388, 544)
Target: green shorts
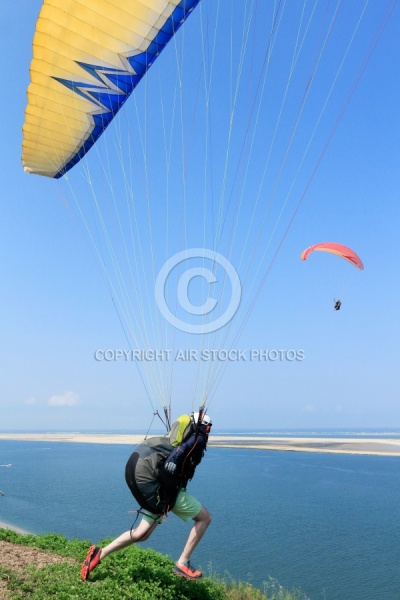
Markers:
point(186, 508)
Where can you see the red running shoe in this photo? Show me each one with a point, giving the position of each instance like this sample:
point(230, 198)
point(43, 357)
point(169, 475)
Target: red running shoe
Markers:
point(187, 571)
point(91, 561)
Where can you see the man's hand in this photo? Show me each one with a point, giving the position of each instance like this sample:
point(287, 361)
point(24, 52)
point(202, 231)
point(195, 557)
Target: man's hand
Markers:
point(170, 467)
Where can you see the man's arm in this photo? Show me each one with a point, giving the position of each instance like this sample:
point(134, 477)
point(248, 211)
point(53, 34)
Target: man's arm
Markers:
point(184, 459)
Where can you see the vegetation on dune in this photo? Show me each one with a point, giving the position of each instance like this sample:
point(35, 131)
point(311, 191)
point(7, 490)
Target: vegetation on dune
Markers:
point(52, 569)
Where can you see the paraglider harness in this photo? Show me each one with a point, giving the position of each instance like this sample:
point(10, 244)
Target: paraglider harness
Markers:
point(337, 305)
point(155, 487)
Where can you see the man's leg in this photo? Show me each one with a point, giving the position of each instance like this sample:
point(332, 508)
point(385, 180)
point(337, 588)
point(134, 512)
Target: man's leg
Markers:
point(183, 566)
point(201, 522)
point(140, 534)
point(96, 554)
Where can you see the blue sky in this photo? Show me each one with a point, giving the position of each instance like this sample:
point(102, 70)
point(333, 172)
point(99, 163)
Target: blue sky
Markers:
point(56, 311)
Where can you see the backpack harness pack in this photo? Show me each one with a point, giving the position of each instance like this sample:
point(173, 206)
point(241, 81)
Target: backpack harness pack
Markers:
point(154, 487)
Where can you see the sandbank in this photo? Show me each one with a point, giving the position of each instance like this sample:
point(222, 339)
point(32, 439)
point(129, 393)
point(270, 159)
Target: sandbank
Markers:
point(375, 446)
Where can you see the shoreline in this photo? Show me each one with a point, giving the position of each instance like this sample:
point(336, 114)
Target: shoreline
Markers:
point(375, 446)
point(14, 528)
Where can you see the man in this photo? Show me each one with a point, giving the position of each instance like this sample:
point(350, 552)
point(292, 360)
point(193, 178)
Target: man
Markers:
point(337, 305)
point(157, 474)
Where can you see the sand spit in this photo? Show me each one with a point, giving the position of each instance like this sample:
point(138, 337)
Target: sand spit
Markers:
point(375, 446)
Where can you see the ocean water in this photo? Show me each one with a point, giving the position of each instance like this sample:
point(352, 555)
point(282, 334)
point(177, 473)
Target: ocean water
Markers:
point(327, 524)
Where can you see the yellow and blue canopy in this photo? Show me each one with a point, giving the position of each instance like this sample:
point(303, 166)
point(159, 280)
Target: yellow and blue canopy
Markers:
point(88, 57)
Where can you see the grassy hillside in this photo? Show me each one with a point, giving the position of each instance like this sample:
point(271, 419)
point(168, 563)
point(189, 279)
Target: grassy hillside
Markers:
point(40, 567)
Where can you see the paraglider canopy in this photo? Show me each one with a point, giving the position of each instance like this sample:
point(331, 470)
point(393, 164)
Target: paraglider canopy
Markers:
point(87, 59)
point(334, 248)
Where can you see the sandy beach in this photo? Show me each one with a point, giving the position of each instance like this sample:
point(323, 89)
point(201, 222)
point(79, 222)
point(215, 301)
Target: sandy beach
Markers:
point(375, 446)
point(12, 528)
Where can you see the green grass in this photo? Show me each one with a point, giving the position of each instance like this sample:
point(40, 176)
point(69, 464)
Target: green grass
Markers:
point(133, 574)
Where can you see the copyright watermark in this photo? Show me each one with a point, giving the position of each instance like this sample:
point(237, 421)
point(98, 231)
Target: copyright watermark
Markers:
point(191, 354)
point(209, 316)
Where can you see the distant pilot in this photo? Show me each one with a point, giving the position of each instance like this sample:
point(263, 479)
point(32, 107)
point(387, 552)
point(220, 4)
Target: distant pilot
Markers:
point(337, 305)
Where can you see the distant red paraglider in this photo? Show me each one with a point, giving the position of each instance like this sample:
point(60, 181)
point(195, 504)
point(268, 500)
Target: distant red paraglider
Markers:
point(334, 248)
point(340, 250)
